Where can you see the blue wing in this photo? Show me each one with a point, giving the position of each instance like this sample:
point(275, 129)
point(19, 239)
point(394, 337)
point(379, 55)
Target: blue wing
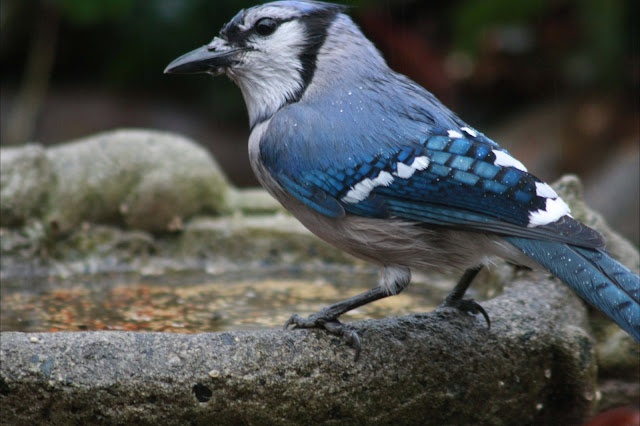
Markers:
point(456, 178)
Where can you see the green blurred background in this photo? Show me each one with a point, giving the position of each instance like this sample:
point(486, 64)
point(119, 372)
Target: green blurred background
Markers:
point(554, 81)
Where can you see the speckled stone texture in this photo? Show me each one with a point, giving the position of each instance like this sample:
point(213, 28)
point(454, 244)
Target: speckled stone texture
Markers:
point(535, 365)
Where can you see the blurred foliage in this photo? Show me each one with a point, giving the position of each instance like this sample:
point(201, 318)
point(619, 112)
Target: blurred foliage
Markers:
point(602, 28)
point(604, 42)
point(88, 12)
point(134, 34)
point(125, 44)
point(472, 18)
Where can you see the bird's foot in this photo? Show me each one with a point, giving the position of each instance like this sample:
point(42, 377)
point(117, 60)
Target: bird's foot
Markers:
point(469, 306)
point(329, 323)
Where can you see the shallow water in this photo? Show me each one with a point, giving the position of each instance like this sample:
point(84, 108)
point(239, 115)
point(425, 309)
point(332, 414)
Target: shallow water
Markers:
point(194, 302)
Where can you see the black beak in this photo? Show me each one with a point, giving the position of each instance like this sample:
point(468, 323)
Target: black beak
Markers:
point(203, 60)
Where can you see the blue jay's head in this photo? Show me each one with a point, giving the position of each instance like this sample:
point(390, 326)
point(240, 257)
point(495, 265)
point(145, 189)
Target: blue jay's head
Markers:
point(274, 51)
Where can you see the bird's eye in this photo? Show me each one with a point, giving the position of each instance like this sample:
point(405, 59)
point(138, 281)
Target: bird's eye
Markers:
point(266, 26)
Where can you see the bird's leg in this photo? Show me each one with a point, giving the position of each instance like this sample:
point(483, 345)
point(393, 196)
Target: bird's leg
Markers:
point(455, 298)
point(394, 278)
point(327, 318)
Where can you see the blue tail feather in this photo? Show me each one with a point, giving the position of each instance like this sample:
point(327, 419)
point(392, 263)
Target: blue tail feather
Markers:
point(594, 275)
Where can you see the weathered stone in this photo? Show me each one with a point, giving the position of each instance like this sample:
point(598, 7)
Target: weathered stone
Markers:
point(278, 238)
point(535, 365)
point(143, 179)
point(148, 180)
point(253, 201)
point(618, 355)
point(26, 180)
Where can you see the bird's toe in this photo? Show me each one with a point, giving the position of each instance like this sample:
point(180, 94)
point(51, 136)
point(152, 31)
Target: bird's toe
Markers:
point(469, 306)
point(332, 325)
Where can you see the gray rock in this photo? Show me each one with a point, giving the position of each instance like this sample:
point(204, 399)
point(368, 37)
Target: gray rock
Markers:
point(26, 180)
point(253, 201)
point(535, 365)
point(146, 180)
point(149, 180)
point(278, 238)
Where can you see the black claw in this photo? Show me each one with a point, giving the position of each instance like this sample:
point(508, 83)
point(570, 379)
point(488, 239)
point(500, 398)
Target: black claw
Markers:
point(291, 321)
point(485, 315)
point(353, 340)
point(349, 336)
point(332, 325)
point(468, 306)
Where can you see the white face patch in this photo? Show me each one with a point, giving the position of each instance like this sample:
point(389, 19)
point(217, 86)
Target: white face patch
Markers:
point(269, 74)
point(505, 160)
point(544, 190)
point(554, 209)
point(362, 189)
point(454, 134)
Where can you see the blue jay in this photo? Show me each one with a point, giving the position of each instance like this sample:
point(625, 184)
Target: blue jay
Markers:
point(374, 164)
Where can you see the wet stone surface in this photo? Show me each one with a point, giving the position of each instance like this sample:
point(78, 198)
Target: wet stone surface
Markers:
point(197, 302)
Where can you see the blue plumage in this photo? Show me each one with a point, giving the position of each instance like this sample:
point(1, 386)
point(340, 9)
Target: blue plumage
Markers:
point(376, 165)
point(461, 185)
point(594, 275)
